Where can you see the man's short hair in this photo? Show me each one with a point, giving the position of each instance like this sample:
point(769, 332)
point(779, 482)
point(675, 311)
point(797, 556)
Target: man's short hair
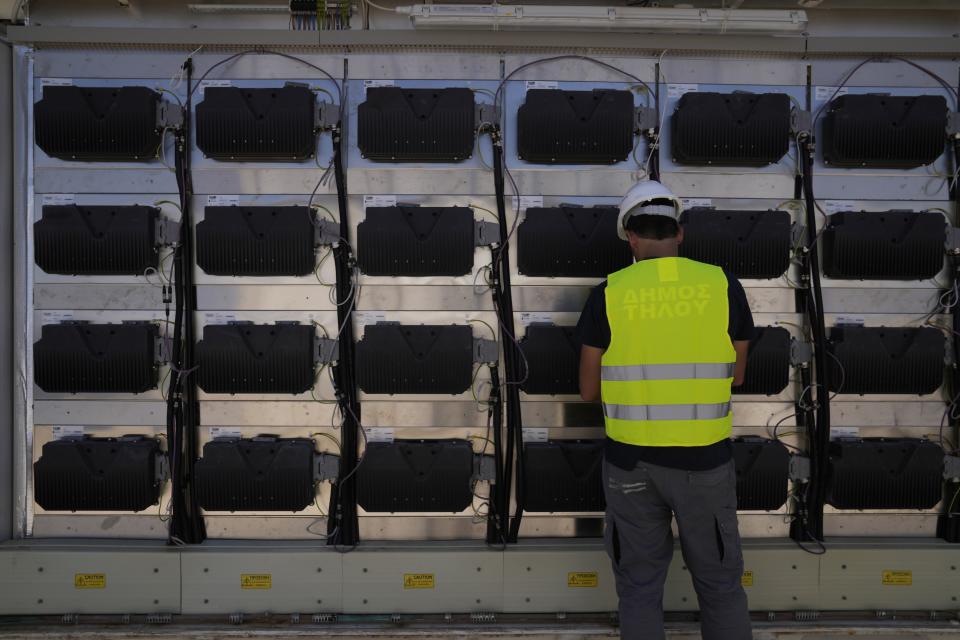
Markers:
point(654, 227)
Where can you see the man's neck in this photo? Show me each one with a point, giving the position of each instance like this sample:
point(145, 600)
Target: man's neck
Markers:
point(649, 255)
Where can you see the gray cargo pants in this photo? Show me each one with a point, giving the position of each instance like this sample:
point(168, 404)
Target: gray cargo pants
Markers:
point(639, 540)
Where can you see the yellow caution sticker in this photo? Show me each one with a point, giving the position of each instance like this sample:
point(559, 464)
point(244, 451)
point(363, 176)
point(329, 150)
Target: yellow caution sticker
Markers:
point(418, 581)
point(746, 579)
point(582, 579)
point(898, 578)
point(90, 581)
point(256, 581)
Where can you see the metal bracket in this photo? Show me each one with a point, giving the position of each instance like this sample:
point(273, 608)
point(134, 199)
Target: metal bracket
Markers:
point(326, 116)
point(169, 115)
point(326, 467)
point(485, 350)
point(951, 468)
point(800, 121)
point(800, 352)
point(952, 243)
point(953, 124)
point(646, 118)
point(327, 231)
point(797, 234)
point(485, 113)
point(164, 348)
point(328, 350)
point(168, 231)
point(799, 468)
point(484, 469)
point(485, 233)
point(163, 468)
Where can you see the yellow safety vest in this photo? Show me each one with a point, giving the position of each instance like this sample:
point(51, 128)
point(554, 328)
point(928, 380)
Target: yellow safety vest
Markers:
point(666, 376)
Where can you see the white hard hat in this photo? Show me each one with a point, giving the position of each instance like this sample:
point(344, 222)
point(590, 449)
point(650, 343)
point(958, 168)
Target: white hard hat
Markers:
point(640, 194)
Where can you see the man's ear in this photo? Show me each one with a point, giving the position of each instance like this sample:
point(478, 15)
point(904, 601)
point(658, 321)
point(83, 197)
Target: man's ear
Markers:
point(632, 239)
point(680, 235)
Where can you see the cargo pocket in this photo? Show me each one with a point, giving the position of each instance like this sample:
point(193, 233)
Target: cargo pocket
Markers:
point(612, 540)
point(728, 539)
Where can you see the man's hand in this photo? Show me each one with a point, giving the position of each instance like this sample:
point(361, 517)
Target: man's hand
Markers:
point(742, 347)
point(590, 373)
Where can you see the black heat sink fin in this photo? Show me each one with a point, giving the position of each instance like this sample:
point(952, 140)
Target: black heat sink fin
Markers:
point(555, 126)
point(98, 124)
point(100, 240)
point(563, 475)
point(256, 241)
point(763, 472)
point(749, 244)
point(574, 242)
point(98, 474)
point(394, 358)
point(250, 358)
point(265, 125)
point(416, 476)
point(552, 355)
point(96, 358)
point(768, 362)
point(416, 241)
point(255, 474)
point(886, 359)
point(733, 129)
point(887, 245)
point(884, 473)
point(395, 124)
point(896, 132)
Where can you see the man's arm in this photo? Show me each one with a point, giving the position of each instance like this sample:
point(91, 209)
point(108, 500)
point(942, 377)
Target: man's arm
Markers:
point(740, 368)
point(590, 372)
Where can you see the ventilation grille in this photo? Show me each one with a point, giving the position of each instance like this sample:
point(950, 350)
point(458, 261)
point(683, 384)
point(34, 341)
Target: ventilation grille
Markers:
point(884, 131)
point(393, 358)
point(416, 241)
point(552, 355)
point(886, 360)
point(98, 123)
point(410, 476)
point(96, 358)
point(568, 241)
point(97, 474)
point(563, 475)
point(882, 473)
point(768, 362)
point(749, 244)
point(72, 240)
point(763, 470)
point(249, 358)
point(575, 127)
point(889, 245)
point(257, 124)
point(255, 474)
point(416, 125)
point(256, 241)
point(743, 129)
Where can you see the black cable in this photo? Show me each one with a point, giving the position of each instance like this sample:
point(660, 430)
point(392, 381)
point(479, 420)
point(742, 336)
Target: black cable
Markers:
point(496, 529)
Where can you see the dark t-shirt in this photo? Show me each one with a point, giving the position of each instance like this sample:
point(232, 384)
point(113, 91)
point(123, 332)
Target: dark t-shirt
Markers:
point(594, 330)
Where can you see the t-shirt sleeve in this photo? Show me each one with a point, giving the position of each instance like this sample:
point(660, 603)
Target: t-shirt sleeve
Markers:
point(593, 329)
point(741, 318)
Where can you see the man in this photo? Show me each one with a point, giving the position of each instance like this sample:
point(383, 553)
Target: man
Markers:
point(662, 342)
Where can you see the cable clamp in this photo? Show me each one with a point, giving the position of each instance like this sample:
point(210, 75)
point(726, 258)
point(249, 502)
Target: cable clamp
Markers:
point(485, 350)
point(328, 350)
point(800, 352)
point(645, 119)
point(326, 116)
point(328, 231)
point(326, 466)
point(484, 469)
point(169, 115)
point(951, 468)
point(799, 468)
point(801, 121)
point(485, 233)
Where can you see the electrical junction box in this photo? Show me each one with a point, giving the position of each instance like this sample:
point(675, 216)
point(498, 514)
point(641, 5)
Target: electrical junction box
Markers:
point(409, 240)
point(256, 241)
point(571, 241)
point(250, 358)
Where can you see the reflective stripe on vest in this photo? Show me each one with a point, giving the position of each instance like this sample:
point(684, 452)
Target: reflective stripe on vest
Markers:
point(665, 377)
point(666, 411)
